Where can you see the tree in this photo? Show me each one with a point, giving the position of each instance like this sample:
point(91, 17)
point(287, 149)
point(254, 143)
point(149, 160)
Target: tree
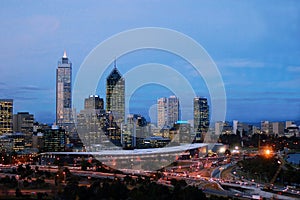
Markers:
point(18, 192)
point(227, 152)
point(71, 189)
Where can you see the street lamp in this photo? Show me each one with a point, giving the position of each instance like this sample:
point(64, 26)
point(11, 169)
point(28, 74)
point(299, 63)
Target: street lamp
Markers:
point(278, 161)
point(17, 177)
point(64, 176)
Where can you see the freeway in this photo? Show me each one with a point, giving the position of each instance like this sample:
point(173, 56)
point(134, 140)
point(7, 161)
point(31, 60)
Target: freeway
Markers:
point(194, 173)
point(254, 190)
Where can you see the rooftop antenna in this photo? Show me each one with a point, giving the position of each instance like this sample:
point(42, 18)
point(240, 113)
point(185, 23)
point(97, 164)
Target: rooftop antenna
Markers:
point(65, 54)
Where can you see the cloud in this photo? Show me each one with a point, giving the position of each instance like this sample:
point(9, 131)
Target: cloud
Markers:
point(27, 92)
point(241, 63)
point(24, 98)
point(31, 88)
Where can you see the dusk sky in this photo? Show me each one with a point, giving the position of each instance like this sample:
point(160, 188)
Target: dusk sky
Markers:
point(255, 45)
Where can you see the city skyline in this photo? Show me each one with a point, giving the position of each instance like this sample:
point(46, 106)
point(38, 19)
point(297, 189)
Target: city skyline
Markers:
point(258, 60)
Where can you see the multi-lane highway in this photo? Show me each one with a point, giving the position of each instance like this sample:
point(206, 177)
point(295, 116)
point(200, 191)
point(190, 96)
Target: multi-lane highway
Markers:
point(203, 173)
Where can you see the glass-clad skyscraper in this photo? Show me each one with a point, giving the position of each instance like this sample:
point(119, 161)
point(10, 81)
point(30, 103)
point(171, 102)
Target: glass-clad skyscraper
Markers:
point(115, 95)
point(64, 92)
point(201, 118)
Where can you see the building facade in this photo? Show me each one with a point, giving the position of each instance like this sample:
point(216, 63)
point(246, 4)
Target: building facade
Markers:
point(266, 127)
point(64, 117)
point(54, 139)
point(23, 123)
point(180, 132)
point(201, 118)
point(136, 131)
point(115, 96)
point(6, 116)
point(167, 111)
point(93, 102)
point(91, 122)
point(278, 128)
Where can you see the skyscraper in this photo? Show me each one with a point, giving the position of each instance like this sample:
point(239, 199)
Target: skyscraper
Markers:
point(91, 124)
point(173, 109)
point(235, 126)
point(162, 112)
point(266, 127)
point(23, 123)
point(64, 92)
point(201, 118)
point(136, 131)
point(115, 95)
point(6, 116)
point(55, 139)
point(93, 102)
point(167, 111)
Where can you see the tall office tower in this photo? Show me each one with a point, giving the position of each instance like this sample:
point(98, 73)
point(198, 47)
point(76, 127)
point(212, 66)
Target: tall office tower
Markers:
point(173, 110)
point(136, 131)
point(91, 123)
point(23, 123)
point(266, 127)
point(93, 102)
point(235, 126)
point(201, 118)
point(162, 112)
point(64, 116)
point(278, 128)
point(6, 116)
point(167, 111)
point(219, 127)
point(115, 95)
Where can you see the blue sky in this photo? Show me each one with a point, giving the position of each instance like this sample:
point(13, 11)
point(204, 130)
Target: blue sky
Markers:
point(255, 45)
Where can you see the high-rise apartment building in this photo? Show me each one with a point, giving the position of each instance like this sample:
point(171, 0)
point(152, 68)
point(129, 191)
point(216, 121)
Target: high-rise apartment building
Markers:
point(167, 111)
point(6, 116)
point(64, 115)
point(278, 128)
point(201, 118)
point(115, 95)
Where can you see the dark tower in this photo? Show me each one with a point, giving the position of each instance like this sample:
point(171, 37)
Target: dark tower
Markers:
point(201, 118)
point(115, 95)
